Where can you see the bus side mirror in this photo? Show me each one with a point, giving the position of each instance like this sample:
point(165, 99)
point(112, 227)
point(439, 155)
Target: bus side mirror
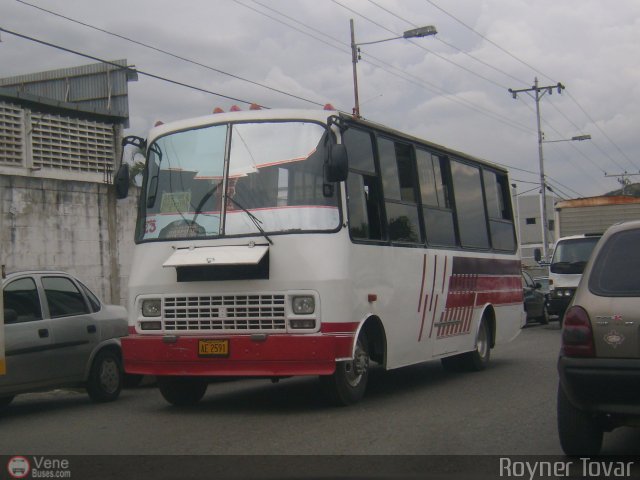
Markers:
point(336, 166)
point(121, 181)
point(537, 255)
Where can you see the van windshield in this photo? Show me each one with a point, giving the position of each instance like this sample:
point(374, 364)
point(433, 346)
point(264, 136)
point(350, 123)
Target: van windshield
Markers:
point(571, 255)
point(236, 179)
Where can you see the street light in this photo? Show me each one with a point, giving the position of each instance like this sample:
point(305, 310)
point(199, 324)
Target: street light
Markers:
point(355, 50)
point(577, 138)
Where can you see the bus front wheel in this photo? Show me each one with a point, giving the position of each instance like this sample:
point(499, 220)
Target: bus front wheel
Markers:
point(348, 383)
point(182, 391)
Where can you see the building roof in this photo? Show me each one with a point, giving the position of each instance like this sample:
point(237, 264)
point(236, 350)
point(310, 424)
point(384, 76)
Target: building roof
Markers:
point(99, 89)
point(597, 201)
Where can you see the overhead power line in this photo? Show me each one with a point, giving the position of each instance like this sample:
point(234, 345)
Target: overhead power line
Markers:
point(166, 52)
point(499, 47)
point(140, 72)
point(389, 68)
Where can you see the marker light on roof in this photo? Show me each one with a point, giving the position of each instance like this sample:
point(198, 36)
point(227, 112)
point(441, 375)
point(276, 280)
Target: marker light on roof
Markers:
point(234, 108)
point(218, 110)
point(328, 106)
point(255, 106)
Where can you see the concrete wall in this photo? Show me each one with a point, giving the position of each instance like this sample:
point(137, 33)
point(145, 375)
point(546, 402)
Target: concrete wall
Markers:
point(74, 226)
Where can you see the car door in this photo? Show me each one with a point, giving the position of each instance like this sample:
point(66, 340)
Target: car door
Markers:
point(73, 326)
point(533, 298)
point(28, 338)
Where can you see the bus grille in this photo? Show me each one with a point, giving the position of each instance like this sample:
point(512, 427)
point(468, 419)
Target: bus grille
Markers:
point(225, 313)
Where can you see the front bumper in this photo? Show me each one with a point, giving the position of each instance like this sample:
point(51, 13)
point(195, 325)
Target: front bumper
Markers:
point(274, 355)
point(598, 385)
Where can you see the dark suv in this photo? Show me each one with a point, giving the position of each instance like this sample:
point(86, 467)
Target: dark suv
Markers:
point(599, 362)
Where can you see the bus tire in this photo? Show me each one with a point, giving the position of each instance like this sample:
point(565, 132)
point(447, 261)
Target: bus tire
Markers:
point(182, 391)
point(475, 360)
point(348, 383)
point(106, 377)
point(579, 432)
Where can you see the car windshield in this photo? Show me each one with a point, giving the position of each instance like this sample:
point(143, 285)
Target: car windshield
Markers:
point(269, 173)
point(571, 256)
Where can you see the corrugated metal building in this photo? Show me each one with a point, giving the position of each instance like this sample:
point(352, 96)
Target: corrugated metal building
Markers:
point(99, 88)
point(64, 123)
point(60, 137)
point(594, 214)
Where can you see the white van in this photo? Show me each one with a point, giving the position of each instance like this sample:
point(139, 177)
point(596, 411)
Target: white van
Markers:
point(565, 270)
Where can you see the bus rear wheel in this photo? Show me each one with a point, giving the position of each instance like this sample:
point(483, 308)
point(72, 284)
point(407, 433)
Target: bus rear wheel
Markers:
point(348, 383)
point(182, 391)
point(475, 360)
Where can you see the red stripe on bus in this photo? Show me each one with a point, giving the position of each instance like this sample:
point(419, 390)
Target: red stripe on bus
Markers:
point(424, 270)
point(339, 327)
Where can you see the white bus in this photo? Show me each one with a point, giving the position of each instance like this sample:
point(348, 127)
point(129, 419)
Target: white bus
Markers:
point(274, 243)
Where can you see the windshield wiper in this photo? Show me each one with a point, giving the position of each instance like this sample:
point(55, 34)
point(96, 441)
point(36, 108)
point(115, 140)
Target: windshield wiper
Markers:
point(256, 221)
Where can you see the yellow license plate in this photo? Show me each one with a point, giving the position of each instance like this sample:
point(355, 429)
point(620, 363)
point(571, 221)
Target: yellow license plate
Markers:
point(213, 348)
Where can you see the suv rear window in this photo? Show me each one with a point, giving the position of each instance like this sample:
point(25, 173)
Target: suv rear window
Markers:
point(616, 271)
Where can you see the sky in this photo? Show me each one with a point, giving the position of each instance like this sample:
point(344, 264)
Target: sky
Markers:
point(451, 88)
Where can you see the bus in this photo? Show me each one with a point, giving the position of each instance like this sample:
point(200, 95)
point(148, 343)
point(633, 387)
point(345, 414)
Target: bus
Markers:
point(278, 243)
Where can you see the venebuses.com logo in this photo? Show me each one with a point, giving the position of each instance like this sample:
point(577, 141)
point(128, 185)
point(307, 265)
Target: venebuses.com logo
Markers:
point(19, 466)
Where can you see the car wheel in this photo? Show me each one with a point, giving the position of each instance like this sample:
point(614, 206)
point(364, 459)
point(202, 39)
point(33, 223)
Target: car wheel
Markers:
point(348, 383)
point(182, 391)
point(106, 376)
point(475, 360)
point(5, 401)
point(580, 433)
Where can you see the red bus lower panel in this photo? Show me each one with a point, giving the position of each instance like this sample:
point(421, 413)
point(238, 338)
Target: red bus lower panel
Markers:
point(273, 356)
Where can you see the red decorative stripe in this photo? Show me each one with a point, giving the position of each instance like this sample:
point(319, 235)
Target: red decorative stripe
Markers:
point(424, 270)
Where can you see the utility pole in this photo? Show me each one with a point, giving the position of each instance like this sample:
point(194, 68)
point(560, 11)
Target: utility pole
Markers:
point(623, 179)
point(538, 93)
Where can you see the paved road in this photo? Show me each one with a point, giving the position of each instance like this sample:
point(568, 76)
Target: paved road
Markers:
point(509, 409)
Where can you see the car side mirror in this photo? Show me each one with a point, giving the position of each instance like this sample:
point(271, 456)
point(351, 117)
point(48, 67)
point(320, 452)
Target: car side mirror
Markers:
point(538, 285)
point(537, 255)
point(121, 181)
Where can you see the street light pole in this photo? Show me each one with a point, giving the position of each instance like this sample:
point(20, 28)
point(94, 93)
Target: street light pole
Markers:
point(355, 54)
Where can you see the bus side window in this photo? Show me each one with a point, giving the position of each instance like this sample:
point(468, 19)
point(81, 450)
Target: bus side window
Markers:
point(364, 198)
point(397, 170)
point(501, 226)
point(471, 214)
point(436, 204)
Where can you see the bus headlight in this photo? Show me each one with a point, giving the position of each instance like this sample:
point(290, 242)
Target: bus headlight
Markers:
point(303, 305)
point(151, 307)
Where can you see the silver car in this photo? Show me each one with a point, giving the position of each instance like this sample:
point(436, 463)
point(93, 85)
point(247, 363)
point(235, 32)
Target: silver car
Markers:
point(58, 334)
point(599, 362)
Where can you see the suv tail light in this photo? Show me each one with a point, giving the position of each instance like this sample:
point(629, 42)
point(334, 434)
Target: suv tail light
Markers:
point(577, 335)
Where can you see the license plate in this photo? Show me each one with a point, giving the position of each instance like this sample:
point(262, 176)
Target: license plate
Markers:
point(213, 348)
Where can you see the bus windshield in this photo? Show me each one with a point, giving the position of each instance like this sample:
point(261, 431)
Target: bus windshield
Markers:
point(571, 256)
point(270, 175)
